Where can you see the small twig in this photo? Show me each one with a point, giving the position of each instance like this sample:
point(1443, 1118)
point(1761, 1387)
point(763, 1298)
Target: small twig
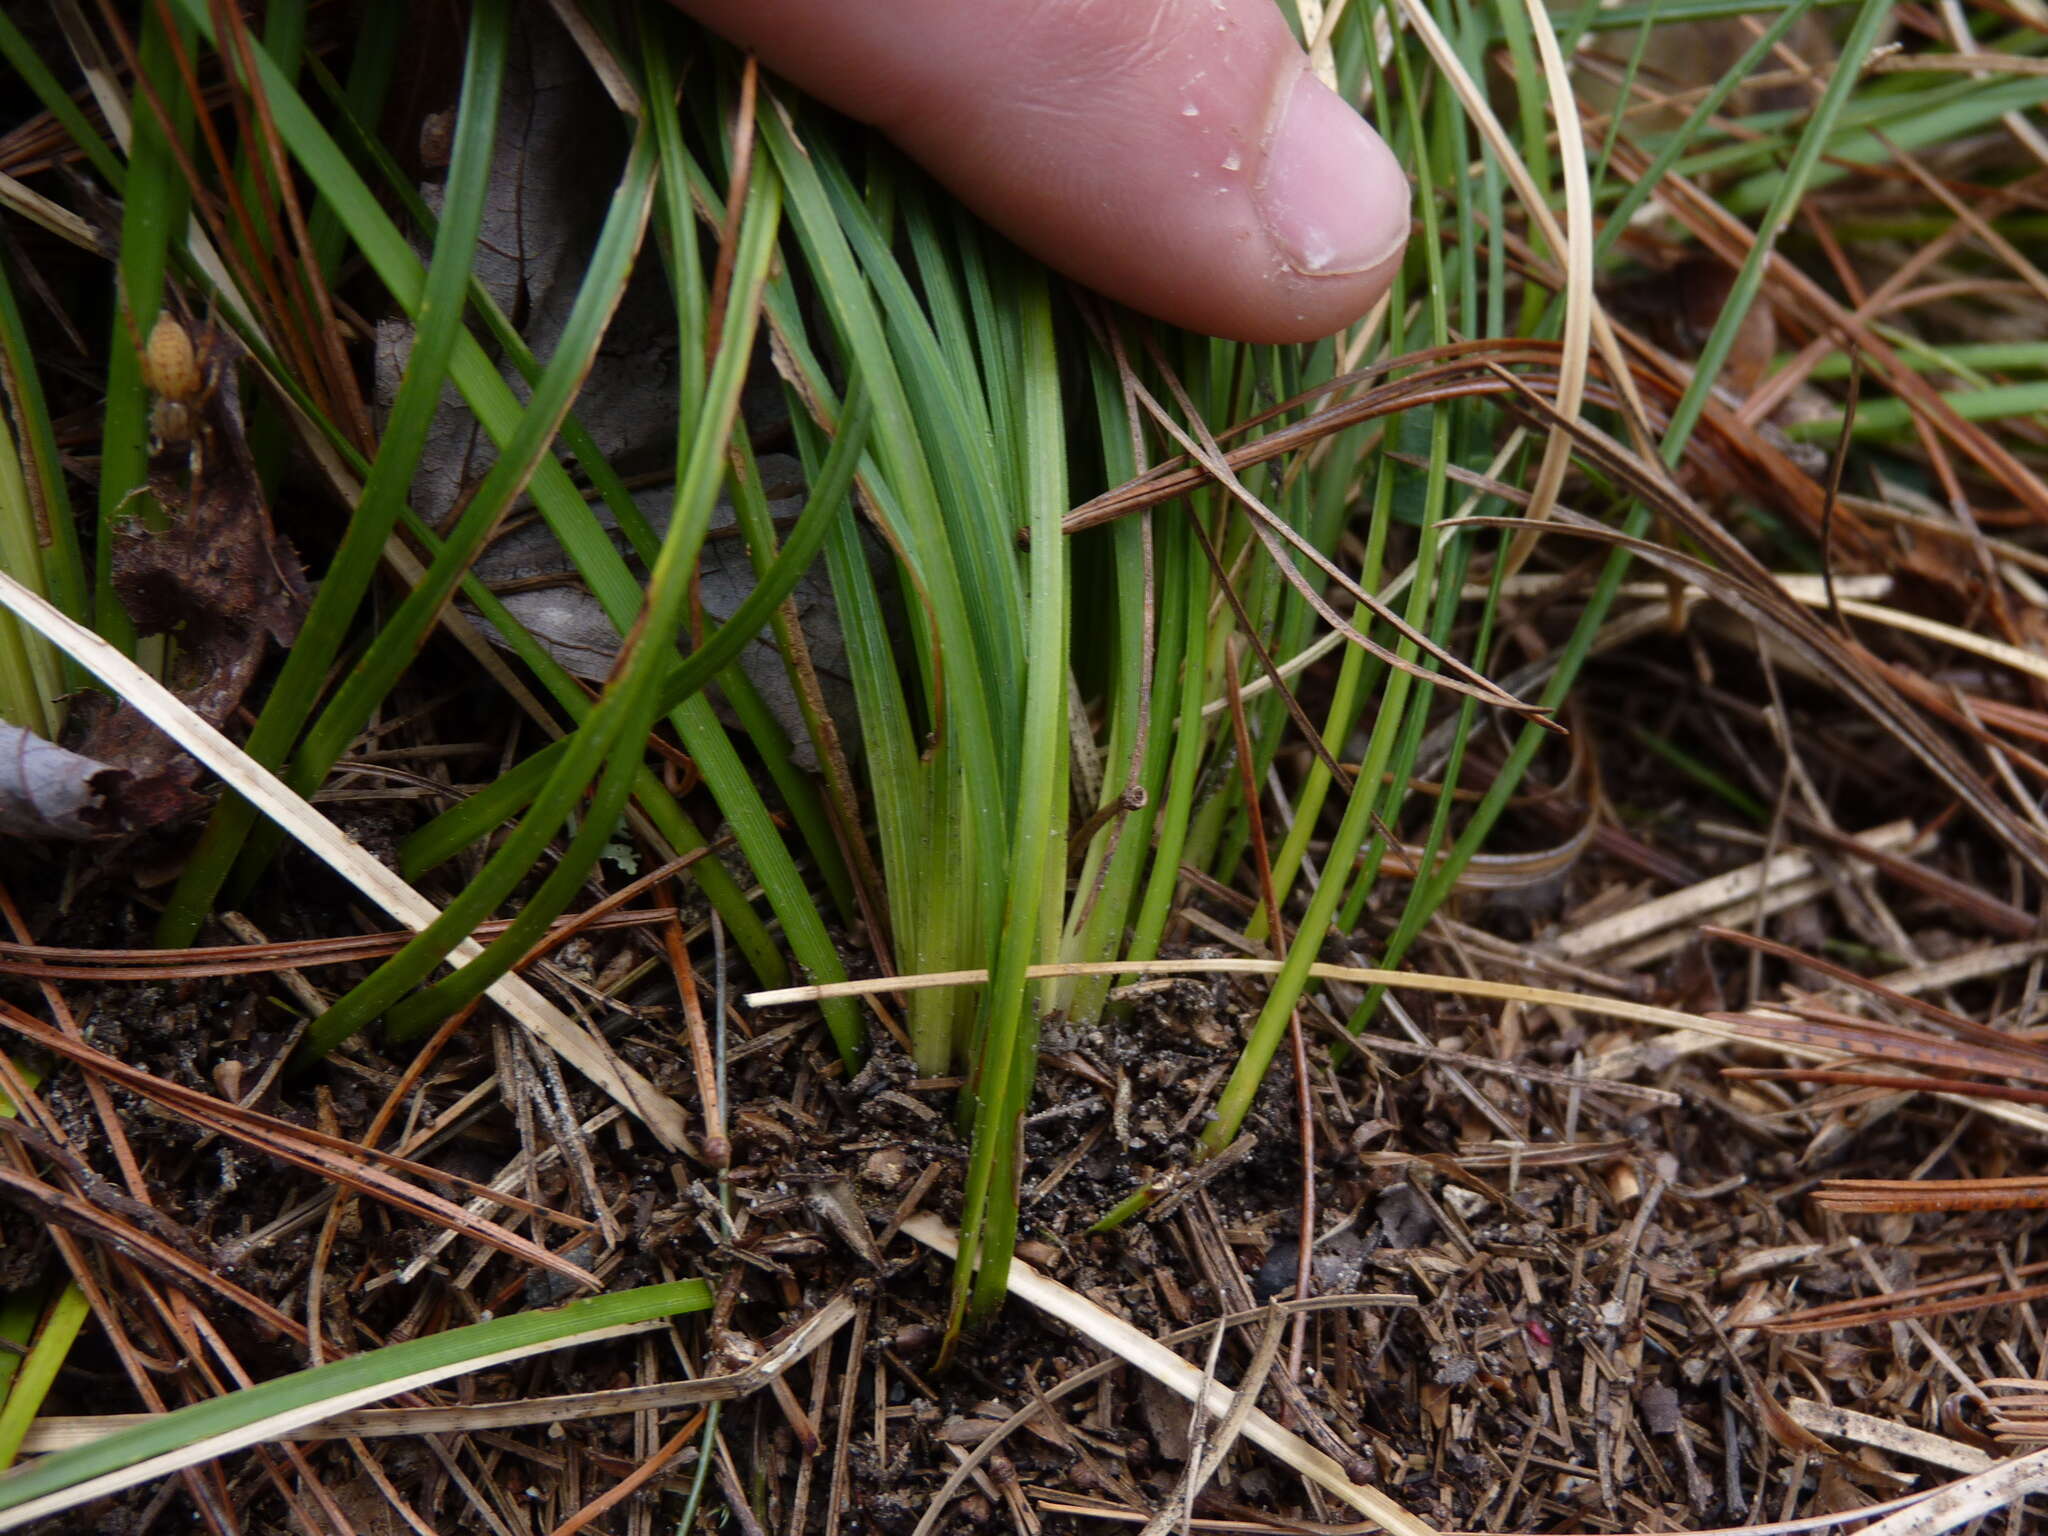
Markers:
point(716, 1146)
point(848, 1394)
point(1835, 467)
point(1203, 1467)
point(638, 1478)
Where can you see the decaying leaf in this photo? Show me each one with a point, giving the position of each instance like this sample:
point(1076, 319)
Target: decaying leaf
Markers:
point(217, 576)
point(1678, 306)
point(47, 792)
point(542, 214)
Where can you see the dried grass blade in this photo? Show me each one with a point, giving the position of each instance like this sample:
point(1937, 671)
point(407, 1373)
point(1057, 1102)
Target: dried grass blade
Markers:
point(1434, 373)
point(1983, 1033)
point(1910, 1195)
point(1363, 976)
point(1825, 1419)
point(1692, 1031)
point(1274, 533)
point(1810, 1025)
point(49, 962)
point(1708, 897)
point(1888, 1082)
point(1579, 300)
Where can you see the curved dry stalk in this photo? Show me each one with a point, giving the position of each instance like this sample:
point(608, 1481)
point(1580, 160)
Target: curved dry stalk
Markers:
point(1423, 372)
point(1744, 583)
point(1579, 301)
point(1357, 975)
point(1696, 1029)
point(1473, 99)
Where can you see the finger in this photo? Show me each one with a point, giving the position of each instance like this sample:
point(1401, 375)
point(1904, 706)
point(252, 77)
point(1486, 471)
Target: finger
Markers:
point(1177, 155)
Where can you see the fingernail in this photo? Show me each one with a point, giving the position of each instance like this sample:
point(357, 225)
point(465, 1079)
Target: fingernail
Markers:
point(1331, 195)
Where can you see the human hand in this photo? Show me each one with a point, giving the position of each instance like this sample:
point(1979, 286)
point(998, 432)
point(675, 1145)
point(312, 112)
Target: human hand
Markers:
point(1177, 155)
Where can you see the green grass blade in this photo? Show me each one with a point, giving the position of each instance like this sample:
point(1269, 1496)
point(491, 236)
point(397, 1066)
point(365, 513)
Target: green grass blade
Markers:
point(458, 827)
point(392, 651)
point(66, 581)
point(1618, 219)
point(244, 1418)
point(1144, 559)
point(461, 825)
point(519, 462)
point(31, 680)
point(39, 1369)
point(18, 1313)
point(1155, 906)
point(500, 413)
point(666, 818)
point(1911, 124)
point(1884, 417)
point(1396, 730)
point(616, 729)
point(770, 738)
point(1601, 18)
point(941, 824)
point(372, 63)
point(1037, 863)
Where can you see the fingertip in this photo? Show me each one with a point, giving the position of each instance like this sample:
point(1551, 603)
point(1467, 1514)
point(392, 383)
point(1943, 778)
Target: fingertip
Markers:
point(1178, 156)
point(1332, 197)
point(1331, 205)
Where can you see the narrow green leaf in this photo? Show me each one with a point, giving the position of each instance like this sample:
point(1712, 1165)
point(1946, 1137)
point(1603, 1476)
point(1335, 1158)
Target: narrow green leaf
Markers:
point(1008, 1060)
point(39, 1369)
point(244, 1418)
